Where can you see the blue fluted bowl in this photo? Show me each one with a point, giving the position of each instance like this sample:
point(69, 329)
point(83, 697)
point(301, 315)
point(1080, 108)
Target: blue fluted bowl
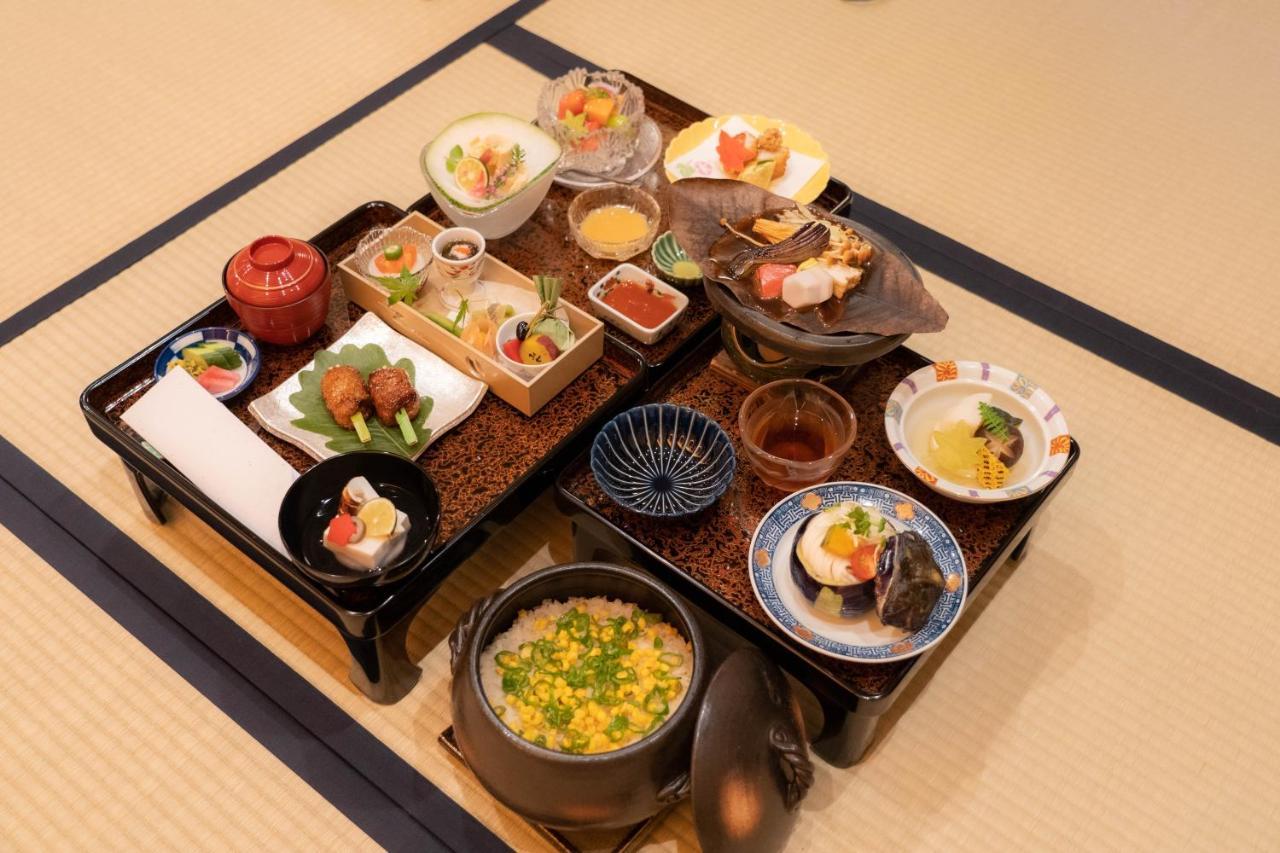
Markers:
point(663, 460)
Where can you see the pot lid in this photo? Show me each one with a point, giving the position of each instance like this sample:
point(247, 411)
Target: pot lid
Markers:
point(274, 271)
point(751, 766)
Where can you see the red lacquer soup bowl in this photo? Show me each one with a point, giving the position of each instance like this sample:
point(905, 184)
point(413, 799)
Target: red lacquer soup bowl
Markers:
point(279, 288)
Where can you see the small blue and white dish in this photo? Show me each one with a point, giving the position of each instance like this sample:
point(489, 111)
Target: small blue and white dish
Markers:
point(663, 460)
point(244, 365)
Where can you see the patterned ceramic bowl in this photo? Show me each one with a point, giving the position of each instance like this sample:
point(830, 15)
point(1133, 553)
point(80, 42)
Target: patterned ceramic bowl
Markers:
point(1033, 439)
point(663, 460)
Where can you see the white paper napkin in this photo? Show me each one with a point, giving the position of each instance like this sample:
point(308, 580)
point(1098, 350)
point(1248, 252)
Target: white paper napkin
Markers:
point(201, 438)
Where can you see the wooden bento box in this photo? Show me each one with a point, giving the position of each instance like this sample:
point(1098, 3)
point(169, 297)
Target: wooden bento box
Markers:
point(526, 395)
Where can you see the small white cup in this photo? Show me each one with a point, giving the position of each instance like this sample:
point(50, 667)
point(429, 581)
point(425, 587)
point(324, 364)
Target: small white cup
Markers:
point(457, 278)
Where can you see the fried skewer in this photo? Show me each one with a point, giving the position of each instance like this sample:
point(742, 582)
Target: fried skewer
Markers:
point(347, 399)
point(395, 400)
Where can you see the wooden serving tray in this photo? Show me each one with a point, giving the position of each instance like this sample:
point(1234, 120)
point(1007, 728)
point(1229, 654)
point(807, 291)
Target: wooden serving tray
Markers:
point(527, 395)
point(519, 453)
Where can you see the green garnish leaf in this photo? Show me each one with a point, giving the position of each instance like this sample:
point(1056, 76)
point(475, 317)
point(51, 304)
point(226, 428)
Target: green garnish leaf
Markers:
point(455, 154)
point(401, 288)
point(861, 521)
point(996, 421)
point(316, 418)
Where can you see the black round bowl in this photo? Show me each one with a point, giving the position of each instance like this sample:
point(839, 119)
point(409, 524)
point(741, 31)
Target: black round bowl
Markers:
point(313, 500)
point(601, 790)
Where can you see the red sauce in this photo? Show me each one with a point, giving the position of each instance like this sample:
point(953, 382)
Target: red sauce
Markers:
point(639, 301)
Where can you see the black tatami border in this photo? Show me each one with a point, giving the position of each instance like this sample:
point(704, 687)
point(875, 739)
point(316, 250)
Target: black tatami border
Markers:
point(373, 786)
point(360, 775)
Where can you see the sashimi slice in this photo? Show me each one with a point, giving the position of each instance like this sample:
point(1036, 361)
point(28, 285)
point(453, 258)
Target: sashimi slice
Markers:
point(217, 380)
point(769, 279)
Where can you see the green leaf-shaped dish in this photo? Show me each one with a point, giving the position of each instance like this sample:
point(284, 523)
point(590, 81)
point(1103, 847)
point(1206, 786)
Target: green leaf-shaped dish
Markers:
point(666, 253)
point(316, 418)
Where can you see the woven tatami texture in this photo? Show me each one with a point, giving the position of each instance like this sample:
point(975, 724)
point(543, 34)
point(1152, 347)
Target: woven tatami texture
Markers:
point(119, 115)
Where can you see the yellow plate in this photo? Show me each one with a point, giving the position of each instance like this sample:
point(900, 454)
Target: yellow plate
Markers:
point(793, 137)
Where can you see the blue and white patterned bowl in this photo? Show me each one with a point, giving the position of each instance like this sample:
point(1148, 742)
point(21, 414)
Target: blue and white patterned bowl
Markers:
point(246, 347)
point(663, 460)
point(864, 638)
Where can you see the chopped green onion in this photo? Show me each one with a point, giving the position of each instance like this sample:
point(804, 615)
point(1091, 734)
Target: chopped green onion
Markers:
point(362, 429)
point(406, 427)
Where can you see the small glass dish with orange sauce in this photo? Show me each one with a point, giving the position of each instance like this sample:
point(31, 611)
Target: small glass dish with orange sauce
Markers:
point(614, 222)
point(640, 304)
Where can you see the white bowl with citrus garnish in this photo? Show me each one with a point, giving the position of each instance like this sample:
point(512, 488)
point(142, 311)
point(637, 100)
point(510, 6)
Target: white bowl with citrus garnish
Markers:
point(977, 432)
point(490, 171)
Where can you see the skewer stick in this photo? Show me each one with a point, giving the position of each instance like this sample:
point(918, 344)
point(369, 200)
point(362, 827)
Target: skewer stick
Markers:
point(406, 427)
point(362, 429)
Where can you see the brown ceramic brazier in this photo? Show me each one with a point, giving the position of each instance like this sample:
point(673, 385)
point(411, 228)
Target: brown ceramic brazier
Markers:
point(557, 789)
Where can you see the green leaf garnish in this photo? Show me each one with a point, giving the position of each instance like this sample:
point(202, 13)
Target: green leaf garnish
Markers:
point(861, 521)
point(402, 287)
point(316, 418)
point(451, 162)
point(996, 421)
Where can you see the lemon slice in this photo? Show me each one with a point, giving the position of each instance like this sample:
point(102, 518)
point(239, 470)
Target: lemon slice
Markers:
point(379, 517)
point(471, 175)
point(759, 173)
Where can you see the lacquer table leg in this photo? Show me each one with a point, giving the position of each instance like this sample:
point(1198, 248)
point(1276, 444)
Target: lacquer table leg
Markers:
point(149, 495)
point(380, 666)
point(1020, 550)
point(845, 736)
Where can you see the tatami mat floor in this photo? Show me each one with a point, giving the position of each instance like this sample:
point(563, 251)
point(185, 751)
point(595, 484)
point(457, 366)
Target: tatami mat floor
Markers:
point(104, 744)
point(118, 115)
point(1105, 678)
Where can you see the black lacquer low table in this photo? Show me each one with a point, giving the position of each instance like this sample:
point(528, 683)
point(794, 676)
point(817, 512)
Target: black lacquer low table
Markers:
point(487, 468)
point(705, 557)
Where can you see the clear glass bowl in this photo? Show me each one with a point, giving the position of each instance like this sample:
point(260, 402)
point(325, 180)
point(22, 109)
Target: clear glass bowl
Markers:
point(606, 196)
point(796, 432)
point(601, 151)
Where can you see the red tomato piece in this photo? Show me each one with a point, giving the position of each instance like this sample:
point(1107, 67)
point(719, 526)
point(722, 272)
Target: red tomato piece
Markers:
point(862, 565)
point(769, 279)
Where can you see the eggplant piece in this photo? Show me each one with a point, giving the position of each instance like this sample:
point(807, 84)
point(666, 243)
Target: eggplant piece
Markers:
point(833, 599)
point(908, 582)
point(809, 241)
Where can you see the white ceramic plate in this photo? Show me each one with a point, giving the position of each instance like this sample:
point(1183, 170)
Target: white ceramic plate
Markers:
point(924, 396)
point(454, 395)
point(641, 333)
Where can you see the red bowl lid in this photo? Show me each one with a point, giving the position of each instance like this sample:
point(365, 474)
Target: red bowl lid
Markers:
point(274, 271)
